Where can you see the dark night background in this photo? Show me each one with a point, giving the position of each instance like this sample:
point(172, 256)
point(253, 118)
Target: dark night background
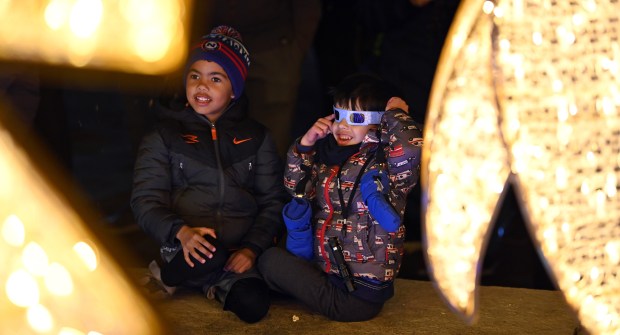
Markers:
point(92, 121)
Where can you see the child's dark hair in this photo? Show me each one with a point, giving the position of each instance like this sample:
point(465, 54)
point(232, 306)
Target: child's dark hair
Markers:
point(364, 90)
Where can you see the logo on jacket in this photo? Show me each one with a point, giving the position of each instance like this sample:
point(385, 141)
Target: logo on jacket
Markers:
point(190, 139)
point(236, 141)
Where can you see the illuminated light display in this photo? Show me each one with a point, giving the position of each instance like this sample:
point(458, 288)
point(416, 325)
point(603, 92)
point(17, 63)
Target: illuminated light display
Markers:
point(54, 278)
point(136, 36)
point(527, 93)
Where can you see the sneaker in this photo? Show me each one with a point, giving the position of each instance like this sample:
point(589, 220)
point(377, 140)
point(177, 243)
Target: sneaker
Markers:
point(152, 285)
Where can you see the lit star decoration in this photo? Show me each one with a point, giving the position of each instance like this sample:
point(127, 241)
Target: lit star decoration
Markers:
point(54, 278)
point(527, 92)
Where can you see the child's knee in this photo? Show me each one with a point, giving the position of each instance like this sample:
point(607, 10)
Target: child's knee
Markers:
point(268, 257)
point(248, 299)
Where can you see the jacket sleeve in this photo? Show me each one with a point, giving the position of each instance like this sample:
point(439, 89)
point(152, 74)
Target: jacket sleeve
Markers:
point(299, 166)
point(151, 191)
point(297, 217)
point(405, 140)
point(270, 197)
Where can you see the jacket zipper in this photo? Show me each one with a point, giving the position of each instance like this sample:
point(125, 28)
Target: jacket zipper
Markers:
point(220, 170)
point(328, 220)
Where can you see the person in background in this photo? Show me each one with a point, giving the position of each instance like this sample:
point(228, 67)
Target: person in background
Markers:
point(207, 184)
point(349, 176)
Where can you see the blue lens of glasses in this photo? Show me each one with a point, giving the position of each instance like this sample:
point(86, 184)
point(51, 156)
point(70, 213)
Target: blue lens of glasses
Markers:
point(356, 118)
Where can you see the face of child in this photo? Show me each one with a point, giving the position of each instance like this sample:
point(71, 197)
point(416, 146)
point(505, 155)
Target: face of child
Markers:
point(208, 89)
point(346, 134)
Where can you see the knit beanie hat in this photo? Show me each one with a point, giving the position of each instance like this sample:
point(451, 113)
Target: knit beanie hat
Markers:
point(224, 46)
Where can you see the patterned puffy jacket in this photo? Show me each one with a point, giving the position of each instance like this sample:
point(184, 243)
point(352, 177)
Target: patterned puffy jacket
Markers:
point(370, 251)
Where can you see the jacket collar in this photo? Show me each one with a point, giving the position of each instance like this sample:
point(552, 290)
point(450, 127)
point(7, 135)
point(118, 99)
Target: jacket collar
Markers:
point(235, 112)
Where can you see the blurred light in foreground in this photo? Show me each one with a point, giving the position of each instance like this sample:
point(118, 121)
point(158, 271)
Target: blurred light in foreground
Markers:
point(53, 278)
point(87, 254)
point(528, 92)
point(137, 36)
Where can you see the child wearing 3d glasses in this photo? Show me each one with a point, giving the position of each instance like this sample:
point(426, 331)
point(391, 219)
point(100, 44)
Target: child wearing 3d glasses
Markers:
point(349, 175)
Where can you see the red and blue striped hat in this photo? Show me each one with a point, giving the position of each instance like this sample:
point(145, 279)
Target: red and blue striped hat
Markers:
point(224, 46)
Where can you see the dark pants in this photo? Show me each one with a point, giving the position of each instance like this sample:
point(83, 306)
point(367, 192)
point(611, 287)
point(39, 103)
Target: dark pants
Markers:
point(298, 278)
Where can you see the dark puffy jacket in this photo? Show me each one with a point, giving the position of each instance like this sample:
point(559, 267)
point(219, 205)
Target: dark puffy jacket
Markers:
point(225, 176)
point(370, 251)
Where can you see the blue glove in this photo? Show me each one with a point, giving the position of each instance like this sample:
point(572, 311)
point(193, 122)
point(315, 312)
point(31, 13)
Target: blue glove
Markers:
point(374, 181)
point(297, 214)
point(372, 186)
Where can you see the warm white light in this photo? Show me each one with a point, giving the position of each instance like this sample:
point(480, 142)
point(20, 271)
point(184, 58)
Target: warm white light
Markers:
point(498, 12)
point(35, 259)
point(57, 13)
point(144, 36)
point(82, 52)
point(152, 42)
point(4, 6)
point(51, 280)
point(70, 331)
point(85, 17)
point(488, 7)
point(561, 177)
point(594, 273)
point(22, 289)
point(557, 86)
point(537, 38)
point(86, 254)
point(40, 318)
point(58, 280)
point(549, 71)
point(612, 250)
point(579, 19)
point(13, 230)
point(589, 5)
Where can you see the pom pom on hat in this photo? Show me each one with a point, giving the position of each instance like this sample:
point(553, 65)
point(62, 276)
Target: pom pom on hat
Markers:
point(224, 46)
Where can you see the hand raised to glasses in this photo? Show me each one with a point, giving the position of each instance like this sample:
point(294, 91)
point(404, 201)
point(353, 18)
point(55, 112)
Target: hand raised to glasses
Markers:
point(396, 102)
point(321, 128)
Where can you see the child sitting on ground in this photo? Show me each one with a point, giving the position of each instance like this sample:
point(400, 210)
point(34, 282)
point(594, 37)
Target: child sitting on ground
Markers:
point(207, 184)
point(351, 172)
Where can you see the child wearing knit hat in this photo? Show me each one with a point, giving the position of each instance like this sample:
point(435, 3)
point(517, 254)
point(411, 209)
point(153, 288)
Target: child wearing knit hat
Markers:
point(221, 59)
point(207, 184)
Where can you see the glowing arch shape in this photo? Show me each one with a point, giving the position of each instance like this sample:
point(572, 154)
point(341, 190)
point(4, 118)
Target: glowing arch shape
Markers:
point(527, 92)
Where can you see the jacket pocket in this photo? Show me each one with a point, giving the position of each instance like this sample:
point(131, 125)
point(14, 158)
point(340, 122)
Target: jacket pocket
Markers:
point(242, 173)
point(362, 241)
point(378, 241)
point(177, 171)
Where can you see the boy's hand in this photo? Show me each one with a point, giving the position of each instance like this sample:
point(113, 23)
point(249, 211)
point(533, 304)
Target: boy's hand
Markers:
point(396, 102)
point(240, 261)
point(321, 128)
point(192, 240)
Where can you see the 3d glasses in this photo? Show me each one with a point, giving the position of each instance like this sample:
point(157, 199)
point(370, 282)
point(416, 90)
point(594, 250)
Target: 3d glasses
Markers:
point(358, 118)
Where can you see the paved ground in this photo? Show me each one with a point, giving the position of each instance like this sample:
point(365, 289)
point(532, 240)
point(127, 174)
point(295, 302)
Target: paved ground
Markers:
point(415, 309)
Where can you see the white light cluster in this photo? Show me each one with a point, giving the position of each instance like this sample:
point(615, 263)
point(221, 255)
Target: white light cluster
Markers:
point(53, 278)
point(143, 36)
point(546, 75)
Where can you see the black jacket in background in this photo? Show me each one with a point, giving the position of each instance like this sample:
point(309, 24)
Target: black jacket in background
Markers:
point(226, 176)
